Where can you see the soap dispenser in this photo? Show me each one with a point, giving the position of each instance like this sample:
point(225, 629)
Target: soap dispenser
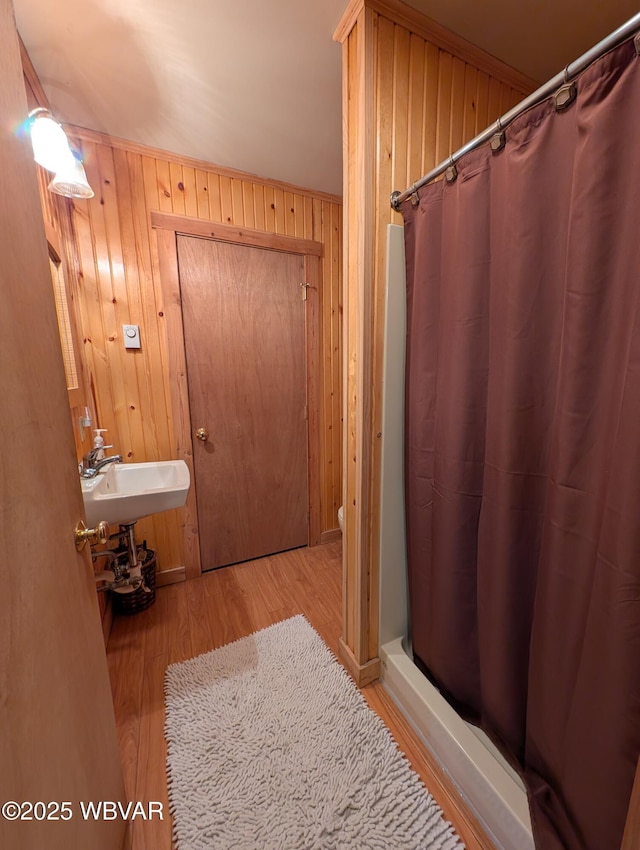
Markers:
point(98, 443)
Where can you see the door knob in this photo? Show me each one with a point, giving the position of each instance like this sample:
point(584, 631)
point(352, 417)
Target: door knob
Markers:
point(202, 434)
point(84, 535)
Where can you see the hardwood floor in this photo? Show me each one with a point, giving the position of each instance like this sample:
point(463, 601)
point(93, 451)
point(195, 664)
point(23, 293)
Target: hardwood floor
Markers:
point(195, 616)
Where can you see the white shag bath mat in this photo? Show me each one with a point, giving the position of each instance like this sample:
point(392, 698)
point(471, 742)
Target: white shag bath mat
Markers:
point(272, 747)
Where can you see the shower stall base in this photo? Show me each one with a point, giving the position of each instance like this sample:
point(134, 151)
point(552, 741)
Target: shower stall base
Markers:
point(490, 787)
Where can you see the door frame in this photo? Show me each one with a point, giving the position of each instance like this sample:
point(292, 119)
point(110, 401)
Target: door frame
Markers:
point(167, 226)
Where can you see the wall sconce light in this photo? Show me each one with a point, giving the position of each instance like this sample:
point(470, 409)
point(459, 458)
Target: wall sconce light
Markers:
point(52, 151)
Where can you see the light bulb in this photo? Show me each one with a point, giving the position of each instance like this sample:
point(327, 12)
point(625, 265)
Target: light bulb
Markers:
point(71, 180)
point(50, 145)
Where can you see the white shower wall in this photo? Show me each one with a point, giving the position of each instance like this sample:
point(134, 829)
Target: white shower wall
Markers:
point(492, 790)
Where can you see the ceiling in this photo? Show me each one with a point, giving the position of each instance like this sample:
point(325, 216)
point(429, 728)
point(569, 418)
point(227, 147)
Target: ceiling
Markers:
point(256, 85)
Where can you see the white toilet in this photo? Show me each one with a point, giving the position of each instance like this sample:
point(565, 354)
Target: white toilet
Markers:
point(341, 518)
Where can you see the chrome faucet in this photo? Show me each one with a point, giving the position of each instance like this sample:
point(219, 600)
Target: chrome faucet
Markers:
point(90, 465)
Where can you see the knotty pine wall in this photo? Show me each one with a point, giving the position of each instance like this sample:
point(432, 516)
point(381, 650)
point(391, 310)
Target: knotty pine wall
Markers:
point(118, 282)
point(56, 215)
point(413, 93)
point(55, 212)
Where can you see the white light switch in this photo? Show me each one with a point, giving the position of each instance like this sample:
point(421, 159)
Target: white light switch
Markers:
point(131, 336)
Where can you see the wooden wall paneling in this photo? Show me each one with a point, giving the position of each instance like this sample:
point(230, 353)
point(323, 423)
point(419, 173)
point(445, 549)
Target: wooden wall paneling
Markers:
point(337, 365)
point(118, 257)
point(190, 196)
point(150, 182)
point(400, 101)
point(55, 212)
point(361, 329)
point(457, 106)
point(226, 202)
point(215, 198)
point(269, 209)
point(247, 203)
point(202, 193)
point(308, 217)
point(298, 216)
point(149, 434)
point(431, 31)
point(287, 205)
point(385, 106)
point(494, 100)
point(278, 201)
point(420, 105)
point(482, 103)
point(90, 303)
point(170, 524)
point(176, 188)
point(443, 120)
point(259, 209)
point(506, 94)
point(163, 175)
point(333, 248)
point(237, 203)
point(177, 373)
point(314, 437)
point(329, 520)
point(469, 119)
point(85, 287)
point(430, 123)
point(151, 429)
point(159, 154)
point(350, 93)
point(416, 103)
point(115, 255)
point(114, 307)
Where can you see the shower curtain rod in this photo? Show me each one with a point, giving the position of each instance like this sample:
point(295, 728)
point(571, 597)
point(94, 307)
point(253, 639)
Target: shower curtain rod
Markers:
point(571, 71)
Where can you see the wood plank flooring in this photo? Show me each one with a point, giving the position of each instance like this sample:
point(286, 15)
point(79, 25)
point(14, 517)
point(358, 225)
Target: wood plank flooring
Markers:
point(195, 616)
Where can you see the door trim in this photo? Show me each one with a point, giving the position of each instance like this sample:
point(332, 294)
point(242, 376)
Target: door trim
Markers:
point(166, 226)
point(189, 226)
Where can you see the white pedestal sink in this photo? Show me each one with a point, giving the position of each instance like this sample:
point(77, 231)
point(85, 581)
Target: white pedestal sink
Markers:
point(123, 493)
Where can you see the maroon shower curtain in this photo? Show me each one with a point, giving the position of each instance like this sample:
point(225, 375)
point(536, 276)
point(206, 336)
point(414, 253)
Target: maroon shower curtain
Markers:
point(523, 448)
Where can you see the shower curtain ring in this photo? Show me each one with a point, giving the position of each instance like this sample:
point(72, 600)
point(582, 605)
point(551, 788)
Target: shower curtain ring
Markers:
point(452, 172)
point(567, 92)
point(499, 138)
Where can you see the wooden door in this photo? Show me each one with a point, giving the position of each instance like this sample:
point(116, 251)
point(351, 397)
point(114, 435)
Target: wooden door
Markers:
point(58, 739)
point(243, 314)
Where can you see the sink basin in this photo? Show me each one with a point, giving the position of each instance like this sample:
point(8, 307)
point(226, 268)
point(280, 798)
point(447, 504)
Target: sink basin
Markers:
point(126, 492)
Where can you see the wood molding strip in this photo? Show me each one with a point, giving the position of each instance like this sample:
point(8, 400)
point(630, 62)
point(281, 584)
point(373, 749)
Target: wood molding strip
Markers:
point(330, 535)
point(413, 20)
point(362, 674)
point(313, 353)
point(32, 77)
point(172, 576)
point(97, 137)
point(240, 235)
point(366, 629)
point(348, 20)
point(177, 377)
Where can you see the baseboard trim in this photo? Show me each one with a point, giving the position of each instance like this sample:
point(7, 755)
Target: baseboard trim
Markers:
point(362, 674)
point(172, 576)
point(330, 536)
